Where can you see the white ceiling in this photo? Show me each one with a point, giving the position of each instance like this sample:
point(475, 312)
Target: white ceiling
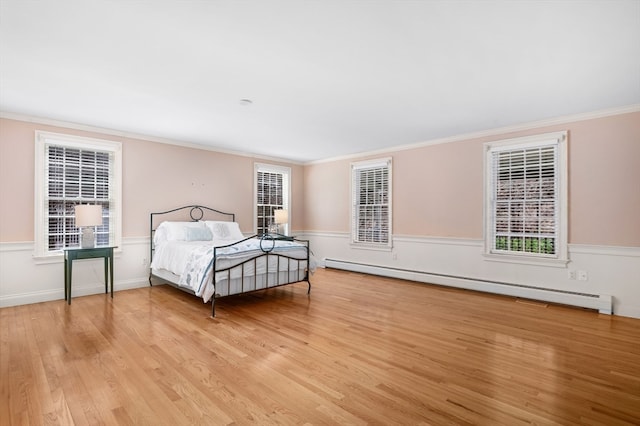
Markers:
point(327, 78)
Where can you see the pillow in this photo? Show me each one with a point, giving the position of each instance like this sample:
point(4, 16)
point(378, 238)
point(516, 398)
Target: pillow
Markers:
point(160, 235)
point(175, 231)
point(225, 230)
point(198, 234)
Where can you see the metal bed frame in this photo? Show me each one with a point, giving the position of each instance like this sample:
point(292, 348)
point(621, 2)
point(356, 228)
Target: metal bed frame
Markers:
point(267, 245)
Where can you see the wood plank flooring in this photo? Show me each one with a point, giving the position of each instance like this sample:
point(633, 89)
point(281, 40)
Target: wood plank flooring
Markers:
point(357, 350)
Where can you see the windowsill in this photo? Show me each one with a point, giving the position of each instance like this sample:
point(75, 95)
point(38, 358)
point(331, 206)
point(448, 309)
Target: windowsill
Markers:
point(526, 260)
point(375, 247)
point(59, 257)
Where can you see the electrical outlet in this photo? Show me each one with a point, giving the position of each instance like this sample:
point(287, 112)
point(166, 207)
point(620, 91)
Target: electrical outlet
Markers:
point(395, 256)
point(583, 276)
point(144, 261)
point(572, 275)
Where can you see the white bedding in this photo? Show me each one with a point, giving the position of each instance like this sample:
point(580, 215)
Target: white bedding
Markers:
point(192, 261)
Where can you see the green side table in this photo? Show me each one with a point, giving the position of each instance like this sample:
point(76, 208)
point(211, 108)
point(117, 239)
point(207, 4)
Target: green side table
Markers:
point(75, 253)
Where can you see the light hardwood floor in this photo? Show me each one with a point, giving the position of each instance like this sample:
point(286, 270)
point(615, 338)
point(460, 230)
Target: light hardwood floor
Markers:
point(357, 350)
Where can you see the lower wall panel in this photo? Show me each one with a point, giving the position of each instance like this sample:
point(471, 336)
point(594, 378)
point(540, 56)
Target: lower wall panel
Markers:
point(610, 271)
point(612, 274)
point(25, 280)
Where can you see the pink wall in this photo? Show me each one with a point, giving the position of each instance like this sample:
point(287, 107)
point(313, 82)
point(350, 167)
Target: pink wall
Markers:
point(437, 184)
point(604, 164)
point(326, 202)
point(438, 189)
point(155, 177)
point(17, 160)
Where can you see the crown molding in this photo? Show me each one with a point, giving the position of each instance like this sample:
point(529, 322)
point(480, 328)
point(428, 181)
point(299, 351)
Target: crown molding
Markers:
point(131, 135)
point(458, 138)
point(491, 132)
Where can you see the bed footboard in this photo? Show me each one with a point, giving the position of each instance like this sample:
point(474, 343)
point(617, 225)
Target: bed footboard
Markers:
point(267, 269)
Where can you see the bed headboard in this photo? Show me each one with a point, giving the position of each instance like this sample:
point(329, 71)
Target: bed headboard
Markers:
point(192, 213)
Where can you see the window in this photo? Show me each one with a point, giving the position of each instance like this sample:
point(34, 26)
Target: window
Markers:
point(72, 170)
point(371, 203)
point(272, 193)
point(526, 196)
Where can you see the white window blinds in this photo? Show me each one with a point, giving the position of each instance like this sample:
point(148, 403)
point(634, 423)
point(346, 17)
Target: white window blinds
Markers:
point(76, 176)
point(272, 193)
point(526, 205)
point(525, 200)
point(371, 202)
point(71, 171)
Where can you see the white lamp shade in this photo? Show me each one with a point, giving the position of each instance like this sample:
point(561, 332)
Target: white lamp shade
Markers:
point(281, 216)
point(88, 215)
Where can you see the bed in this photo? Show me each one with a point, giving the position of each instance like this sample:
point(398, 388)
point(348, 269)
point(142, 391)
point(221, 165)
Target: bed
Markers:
point(202, 251)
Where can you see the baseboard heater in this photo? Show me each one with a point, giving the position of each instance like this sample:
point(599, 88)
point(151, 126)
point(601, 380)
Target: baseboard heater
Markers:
point(600, 302)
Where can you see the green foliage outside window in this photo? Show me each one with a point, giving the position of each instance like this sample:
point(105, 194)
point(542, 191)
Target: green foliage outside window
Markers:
point(526, 244)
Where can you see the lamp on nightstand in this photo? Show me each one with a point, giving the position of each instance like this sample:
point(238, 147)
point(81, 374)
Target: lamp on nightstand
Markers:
point(87, 217)
point(281, 217)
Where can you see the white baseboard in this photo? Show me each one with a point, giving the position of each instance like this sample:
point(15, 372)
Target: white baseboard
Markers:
point(602, 303)
point(30, 297)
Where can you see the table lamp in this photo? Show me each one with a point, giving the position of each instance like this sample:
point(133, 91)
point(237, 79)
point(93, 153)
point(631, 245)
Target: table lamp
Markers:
point(281, 217)
point(87, 217)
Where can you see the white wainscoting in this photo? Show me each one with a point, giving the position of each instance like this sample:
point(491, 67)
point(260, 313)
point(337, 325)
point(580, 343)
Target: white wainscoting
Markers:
point(613, 273)
point(612, 282)
point(24, 279)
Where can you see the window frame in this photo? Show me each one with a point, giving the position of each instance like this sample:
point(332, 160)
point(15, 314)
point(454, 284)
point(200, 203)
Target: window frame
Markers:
point(286, 193)
point(44, 139)
point(559, 140)
point(356, 167)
